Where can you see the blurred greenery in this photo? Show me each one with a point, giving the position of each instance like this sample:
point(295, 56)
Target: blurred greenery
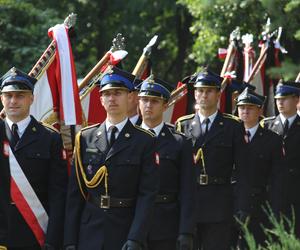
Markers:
point(190, 31)
point(279, 235)
point(215, 19)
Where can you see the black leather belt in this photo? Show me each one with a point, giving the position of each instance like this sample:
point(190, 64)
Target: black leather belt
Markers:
point(211, 180)
point(165, 198)
point(106, 201)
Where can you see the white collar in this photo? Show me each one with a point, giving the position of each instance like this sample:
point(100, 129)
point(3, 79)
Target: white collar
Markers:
point(134, 119)
point(253, 130)
point(156, 129)
point(290, 119)
point(211, 117)
point(22, 125)
point(119, 126)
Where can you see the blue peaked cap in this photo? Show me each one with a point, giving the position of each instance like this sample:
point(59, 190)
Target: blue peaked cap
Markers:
point(208, 79)
point(117, 79)
point(155, 87)
point(285, 89)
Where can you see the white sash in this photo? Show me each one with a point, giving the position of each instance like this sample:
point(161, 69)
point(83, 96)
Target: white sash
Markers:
point(27, 201)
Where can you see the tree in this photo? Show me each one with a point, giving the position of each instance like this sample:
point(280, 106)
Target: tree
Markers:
point(214, 20)
point(25, 24)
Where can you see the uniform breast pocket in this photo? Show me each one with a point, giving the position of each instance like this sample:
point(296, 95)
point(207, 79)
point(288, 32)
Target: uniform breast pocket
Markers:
point(128, 161)
point(39, 155)
point(168, 156)
point(37, 164)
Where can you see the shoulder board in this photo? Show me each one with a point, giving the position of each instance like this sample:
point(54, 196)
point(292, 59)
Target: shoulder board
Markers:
point(91, 126)
point(233, 117)
point(50, 127)
point(144, 130)
point(172, 127)
point(262, 122)
point(269, 118)
point(186, 117)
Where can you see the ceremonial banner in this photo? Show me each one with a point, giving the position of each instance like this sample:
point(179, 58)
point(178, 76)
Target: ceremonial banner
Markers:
point(56, 92)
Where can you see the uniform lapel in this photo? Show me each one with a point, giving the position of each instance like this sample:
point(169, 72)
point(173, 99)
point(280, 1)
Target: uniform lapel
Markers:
point(122, 140)
point(216, 127)
point(9, 135)
point(277, 126)
point(195, 128)
point(294, 127)
point(164, 137)
point(139, 121)
point(257, 138)
point(101, 141)
point(31, 134)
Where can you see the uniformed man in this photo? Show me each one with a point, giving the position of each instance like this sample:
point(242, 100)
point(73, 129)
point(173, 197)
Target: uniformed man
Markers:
point(172, 222)
point(258, 179)
point(287, 125)
point(218, 142)
point(114, 179)
point(34, 174)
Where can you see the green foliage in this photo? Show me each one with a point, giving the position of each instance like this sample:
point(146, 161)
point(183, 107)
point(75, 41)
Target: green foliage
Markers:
point(25, 24)
point(23, 33)
point(214, 21)
point(190, 31)
point(280, 235)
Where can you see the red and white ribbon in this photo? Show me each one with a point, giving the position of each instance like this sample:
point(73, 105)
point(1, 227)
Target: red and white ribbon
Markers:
point(27, 201)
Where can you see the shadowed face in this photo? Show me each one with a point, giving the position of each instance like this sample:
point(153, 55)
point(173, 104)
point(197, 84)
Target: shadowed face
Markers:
point(207, 98)
point(152, 108)
point(287, 106)
point(249, 114)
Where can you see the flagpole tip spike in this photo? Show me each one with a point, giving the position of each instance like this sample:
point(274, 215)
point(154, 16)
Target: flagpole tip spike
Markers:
point(70, 21)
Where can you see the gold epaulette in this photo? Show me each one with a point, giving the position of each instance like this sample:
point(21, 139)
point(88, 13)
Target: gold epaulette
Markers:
point(91, 126)
point(183, 118)
point(144, 130)
point(262, 122)
point(3, 248)
point(233, 117)
point(49, 126)
point(186, 117)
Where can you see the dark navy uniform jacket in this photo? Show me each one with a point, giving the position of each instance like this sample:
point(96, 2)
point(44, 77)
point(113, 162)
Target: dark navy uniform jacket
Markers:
point(40, 155)
point(259, 179)
point(291, 159)
point(222, 149)
point(177, 177)
point(132, 174)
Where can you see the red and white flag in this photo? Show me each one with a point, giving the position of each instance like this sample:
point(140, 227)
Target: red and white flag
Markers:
point(57, 89)
point(249, 60)
point(222, 52)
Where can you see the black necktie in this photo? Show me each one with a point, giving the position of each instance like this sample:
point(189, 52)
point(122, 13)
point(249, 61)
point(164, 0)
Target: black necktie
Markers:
point(14, 129)
point(248, 134)
point(206, 122)
point(114, 130)
point(285, 127)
